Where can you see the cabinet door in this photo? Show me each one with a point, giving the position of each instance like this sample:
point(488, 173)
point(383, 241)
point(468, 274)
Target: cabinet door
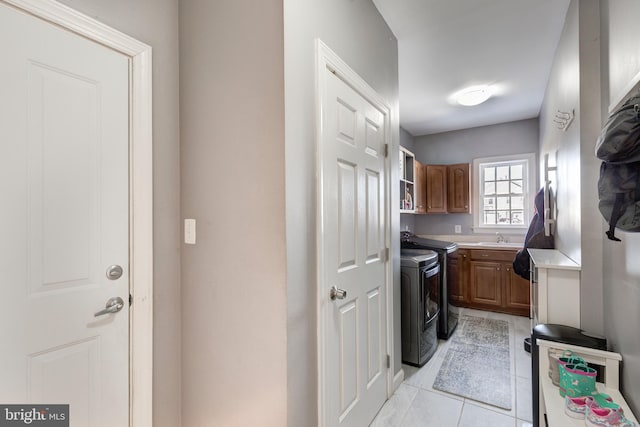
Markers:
point(457, 280)
point(436, 188)
point(485, 283)
point(458, 188)
point(517, 292)
point(420, 187)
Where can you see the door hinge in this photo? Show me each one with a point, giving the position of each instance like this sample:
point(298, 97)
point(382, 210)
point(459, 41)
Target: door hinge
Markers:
point(386, 150)
point(386, 255)
point(130, 300)
point(388, 361)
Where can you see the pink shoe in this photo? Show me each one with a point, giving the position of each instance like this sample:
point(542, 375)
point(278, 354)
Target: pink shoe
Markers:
point(606, 417)
point(576, 407)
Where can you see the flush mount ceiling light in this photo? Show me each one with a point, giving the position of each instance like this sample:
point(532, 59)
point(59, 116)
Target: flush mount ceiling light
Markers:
point(473, 95)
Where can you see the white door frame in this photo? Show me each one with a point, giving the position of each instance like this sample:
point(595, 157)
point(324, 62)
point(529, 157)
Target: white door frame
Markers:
point(140, 192)
point(326, 59)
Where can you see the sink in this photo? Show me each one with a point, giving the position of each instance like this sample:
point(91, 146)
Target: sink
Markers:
point(501, 244)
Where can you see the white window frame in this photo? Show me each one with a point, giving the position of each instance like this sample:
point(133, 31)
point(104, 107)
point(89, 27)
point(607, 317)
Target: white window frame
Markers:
point(529, 174)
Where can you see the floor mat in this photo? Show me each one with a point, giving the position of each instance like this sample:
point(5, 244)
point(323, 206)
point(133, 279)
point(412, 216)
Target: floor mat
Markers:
point(477, 365)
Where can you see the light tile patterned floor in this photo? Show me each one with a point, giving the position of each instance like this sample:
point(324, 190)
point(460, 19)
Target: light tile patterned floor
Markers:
point(417, 404)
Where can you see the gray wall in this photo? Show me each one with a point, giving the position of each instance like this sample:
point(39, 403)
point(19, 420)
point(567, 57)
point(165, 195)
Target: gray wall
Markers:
point(234, 294)
point(155, 22)
point(621, 266)
point(574, 84)
point(462, 147)
point(357, 33)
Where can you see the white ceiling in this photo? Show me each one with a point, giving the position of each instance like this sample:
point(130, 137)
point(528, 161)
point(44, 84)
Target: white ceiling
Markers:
point(446, 45)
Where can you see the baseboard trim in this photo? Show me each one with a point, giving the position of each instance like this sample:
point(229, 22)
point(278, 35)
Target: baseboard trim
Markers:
point(398, 378)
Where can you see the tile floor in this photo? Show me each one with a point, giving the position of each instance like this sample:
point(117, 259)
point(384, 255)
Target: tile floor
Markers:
point(417, 404)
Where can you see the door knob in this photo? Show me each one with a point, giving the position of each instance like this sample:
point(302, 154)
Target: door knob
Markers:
point(337, 293)
point(113, 305)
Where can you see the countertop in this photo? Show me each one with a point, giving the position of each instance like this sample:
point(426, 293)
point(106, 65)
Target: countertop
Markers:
point(466, 241)
point(552, 258)
point(489, 245)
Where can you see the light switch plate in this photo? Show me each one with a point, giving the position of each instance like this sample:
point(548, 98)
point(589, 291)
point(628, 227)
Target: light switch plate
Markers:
point(190, 231)
point(457, 228)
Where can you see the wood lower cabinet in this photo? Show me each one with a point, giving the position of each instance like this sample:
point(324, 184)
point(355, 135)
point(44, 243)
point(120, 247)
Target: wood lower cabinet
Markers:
point(487, 282)
point(485, 287)
point(517, 293)
point(458, 264)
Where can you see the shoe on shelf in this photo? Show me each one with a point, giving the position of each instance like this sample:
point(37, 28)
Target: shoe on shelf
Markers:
point(576, 407)
point(598, 416)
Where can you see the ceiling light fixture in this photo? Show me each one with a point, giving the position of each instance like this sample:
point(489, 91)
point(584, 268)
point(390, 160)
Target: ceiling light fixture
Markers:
point(473, 95)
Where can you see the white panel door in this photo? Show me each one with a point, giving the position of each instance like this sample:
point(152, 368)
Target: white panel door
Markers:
point(64, 187)
point(353, 258)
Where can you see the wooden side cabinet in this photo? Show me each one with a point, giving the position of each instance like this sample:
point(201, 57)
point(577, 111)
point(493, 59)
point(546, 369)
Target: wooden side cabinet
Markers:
point(517, 292)
point(458, 277)
point(420, 187)
point(458, 183)
point(436, 179)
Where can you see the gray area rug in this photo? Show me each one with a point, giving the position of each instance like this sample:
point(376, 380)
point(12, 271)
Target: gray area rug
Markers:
point(477, 364)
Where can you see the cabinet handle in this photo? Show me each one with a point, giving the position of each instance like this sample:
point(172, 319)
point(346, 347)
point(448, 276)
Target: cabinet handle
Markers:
point(466, 206)
point(464, 256)
point(498, 268)
point(508, 269)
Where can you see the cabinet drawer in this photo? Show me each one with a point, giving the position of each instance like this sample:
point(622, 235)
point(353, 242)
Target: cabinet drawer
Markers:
point(492, 255)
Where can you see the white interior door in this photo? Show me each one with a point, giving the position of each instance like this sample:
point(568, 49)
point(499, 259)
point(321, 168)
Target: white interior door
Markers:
point(64, 165)
point(353, 241)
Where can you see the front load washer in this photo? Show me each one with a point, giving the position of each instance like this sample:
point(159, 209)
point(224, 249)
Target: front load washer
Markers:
point(449, 313)
point(420, 305)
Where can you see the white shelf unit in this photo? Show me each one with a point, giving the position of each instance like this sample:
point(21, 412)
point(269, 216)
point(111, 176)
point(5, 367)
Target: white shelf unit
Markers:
point(555, 288)
point(407, 181)
point(552, 404)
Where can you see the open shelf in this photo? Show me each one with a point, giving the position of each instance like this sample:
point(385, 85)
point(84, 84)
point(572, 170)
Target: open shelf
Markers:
point(407, 181)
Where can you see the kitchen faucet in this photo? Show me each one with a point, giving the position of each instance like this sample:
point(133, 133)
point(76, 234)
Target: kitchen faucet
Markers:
point(500, 238)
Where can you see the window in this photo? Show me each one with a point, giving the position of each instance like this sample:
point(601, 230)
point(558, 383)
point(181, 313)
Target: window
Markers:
point(504, 191)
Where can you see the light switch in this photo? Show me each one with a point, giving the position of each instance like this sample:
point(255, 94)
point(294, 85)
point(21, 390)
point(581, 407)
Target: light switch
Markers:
point(457, 228)
point(190, 231)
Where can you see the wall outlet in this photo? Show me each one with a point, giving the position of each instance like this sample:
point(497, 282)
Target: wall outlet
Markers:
point(457, 228)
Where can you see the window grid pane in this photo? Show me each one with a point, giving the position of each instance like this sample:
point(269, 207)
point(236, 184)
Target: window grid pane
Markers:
point(504, 184)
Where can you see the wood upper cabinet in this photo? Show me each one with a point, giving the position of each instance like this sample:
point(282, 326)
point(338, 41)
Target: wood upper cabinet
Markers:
point(487, 282)
point(436, 179)
point(420, 187)
point(446, 188)
point(458, 183)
